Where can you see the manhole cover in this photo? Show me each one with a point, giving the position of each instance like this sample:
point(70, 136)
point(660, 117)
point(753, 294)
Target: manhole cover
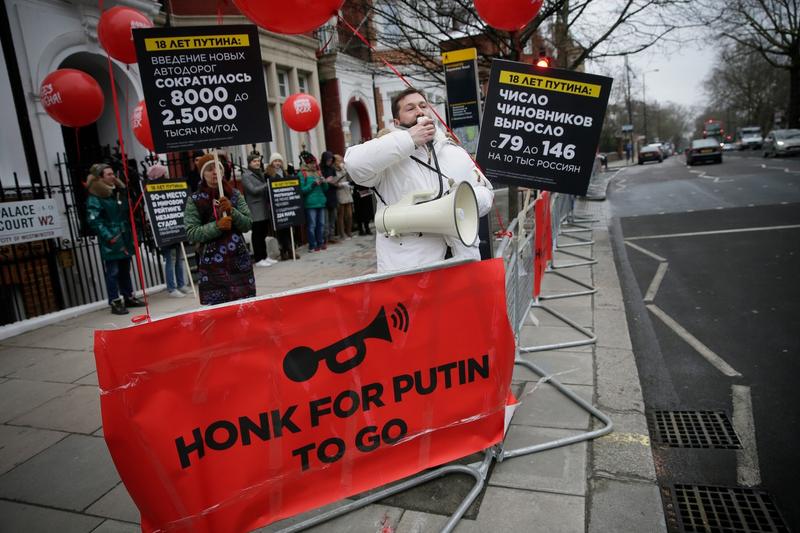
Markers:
point(692, 429)
point(708, 509)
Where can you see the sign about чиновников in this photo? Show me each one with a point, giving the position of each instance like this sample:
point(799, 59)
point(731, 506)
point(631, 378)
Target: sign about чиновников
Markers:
point(166, 200)
point(541, 126)
point(203, 86)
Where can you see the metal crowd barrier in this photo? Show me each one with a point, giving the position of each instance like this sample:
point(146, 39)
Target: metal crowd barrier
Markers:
point(517, 251)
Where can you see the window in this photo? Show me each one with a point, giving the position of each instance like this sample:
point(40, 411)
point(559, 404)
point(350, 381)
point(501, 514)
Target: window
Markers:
point(283, 83)
point(303, 80)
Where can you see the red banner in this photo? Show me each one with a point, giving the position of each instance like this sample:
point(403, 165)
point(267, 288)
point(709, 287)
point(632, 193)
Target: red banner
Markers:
point(233, 417)
point(543, 241)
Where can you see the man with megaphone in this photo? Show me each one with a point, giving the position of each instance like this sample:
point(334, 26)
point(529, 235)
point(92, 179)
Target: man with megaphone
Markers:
point(430, 193)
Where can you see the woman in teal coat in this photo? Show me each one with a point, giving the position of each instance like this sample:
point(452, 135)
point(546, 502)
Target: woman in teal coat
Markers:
point(313, 188)
point(107, 215)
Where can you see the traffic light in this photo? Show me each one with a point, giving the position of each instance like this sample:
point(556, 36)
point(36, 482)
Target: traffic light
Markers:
point(543, 61)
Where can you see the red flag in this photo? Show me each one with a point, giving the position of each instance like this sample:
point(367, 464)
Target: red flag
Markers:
point(233, 417)
point(543, 241)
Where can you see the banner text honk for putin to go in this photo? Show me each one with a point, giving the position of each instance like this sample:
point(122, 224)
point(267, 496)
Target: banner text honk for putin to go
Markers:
point(233, 417)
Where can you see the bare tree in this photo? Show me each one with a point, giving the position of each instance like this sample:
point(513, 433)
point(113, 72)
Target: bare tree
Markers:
point(771, 28)
point(413, 32)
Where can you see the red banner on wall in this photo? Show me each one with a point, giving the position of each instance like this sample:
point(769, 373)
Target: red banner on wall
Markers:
point(543, 241)
point(230, 418)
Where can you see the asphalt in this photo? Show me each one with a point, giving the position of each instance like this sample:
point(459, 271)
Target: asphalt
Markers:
point(56, 473)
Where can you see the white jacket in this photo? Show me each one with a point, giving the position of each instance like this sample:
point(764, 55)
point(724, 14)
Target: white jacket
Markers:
point(385, 164)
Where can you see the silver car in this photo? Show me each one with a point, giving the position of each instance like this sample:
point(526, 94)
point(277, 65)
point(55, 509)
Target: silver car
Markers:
point(782, 142)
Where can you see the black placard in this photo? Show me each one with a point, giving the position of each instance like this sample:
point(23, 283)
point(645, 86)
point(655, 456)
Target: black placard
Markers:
point(203, 86)
point(463, 101)
point(287, 202)
point(166, 201)
point(541, 126)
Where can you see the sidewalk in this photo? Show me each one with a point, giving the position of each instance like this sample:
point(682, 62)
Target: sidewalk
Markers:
point(56, 473)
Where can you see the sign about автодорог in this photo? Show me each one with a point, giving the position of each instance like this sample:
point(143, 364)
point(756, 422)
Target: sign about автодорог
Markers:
point(30, 220)
point(203, 86)
point(541, 126)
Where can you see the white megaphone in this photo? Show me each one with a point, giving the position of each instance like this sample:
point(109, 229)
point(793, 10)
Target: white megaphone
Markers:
point(454, 214)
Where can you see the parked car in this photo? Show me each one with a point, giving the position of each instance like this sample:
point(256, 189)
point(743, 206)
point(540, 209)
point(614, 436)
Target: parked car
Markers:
point(703, 150)
point(782, 142)
point(728, 147)
point(651, 152)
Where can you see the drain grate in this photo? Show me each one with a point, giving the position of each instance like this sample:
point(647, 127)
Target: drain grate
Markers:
point(692, 429)
point(708, 509)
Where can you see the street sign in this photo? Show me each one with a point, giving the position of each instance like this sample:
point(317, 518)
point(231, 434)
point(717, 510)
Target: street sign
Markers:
point(203, 86)
point(30, 220)
point(541, 126)
point(166, 200)
point(627, 127)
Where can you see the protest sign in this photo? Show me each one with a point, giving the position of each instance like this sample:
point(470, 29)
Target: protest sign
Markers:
point(236, 416)
point(541, 126)
point(30, 220)
point(463, 95)
point(203, 86)
point(287, 203)
point(166, 201)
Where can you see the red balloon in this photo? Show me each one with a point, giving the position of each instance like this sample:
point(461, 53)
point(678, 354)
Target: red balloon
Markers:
point(289, 16)
point(301, 112)
point(115, 35)
point(71, 97)
point(140, 123)
point(509, 15)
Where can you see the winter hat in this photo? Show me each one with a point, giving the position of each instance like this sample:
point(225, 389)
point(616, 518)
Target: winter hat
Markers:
point(275, 157)
point(253, 156)
point(157, 171)
point(307, 158)
point(208, 159)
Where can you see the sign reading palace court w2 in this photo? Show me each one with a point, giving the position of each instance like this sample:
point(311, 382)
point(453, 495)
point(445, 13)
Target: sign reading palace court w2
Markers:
point(541, 126)
point(203, 86)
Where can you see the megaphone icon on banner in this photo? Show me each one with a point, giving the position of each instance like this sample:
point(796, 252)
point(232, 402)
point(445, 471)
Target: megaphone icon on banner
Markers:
point(301, 363)
point(454, 214)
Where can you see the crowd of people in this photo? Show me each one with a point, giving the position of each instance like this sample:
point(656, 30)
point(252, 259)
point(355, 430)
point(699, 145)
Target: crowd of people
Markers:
point(411, 155)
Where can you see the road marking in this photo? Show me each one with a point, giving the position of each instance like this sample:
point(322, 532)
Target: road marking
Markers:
point(645, 252)
point(690, 339)
point(748, 473)
point(715, 232)
point(656, 283)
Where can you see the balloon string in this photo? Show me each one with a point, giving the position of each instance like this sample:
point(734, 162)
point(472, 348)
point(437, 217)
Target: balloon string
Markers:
point(397, 72)
point(78, 144)
point(132, 221)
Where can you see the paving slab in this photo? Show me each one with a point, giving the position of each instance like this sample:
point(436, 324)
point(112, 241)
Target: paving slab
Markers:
point(518, 511)
point(71, 474)
point(569, 368)
point(62, 367)
point(546, 335)
point(15, 358)
point(60, 337)
point(561, 470)
point(545, 406)
point(89, 379)
point(611, 328)
point(618, 386)
point(76, 411)
point(376, 517)
point(18, 444)
point(116, 504)
point(20, 517)
point(112, 526)
point(621, 506)
point(626, 451)
point(18, 396)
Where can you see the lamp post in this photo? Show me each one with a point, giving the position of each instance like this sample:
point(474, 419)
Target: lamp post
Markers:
point(644, 100)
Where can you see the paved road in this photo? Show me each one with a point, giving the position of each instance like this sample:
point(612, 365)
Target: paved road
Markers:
point(710, 266)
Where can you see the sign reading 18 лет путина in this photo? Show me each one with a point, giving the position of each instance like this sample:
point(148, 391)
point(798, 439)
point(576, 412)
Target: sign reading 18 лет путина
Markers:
point(203, 86)
point(541, 126)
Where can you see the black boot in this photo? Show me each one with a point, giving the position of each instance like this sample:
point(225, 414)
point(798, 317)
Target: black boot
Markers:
point(118, 308)
point(131, 301)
